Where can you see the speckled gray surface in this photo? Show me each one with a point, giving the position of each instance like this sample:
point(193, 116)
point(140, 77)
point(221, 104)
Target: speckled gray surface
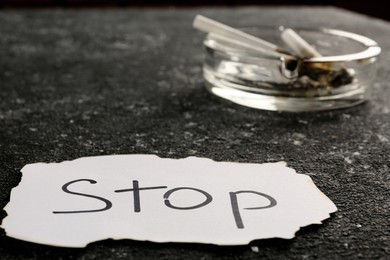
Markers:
point(84, 83)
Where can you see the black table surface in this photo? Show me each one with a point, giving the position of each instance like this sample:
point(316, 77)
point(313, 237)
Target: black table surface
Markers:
point(77, 83)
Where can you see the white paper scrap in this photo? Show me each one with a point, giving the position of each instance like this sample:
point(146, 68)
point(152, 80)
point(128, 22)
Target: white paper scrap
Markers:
point(144, 197)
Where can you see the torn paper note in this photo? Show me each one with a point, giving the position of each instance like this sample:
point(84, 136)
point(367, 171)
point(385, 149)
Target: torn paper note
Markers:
point(144, 197)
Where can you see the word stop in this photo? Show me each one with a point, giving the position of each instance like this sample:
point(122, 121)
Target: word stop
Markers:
point(136, 191)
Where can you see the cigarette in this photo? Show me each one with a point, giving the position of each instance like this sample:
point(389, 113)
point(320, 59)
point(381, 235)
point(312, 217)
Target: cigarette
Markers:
point(243, 45)
point(300, 47)
point(211, 26)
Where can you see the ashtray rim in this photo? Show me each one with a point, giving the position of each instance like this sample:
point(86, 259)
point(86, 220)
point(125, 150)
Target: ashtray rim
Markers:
point(372, 48)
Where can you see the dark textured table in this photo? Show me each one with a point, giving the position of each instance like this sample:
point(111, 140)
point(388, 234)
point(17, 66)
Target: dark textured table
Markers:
point(100, 82)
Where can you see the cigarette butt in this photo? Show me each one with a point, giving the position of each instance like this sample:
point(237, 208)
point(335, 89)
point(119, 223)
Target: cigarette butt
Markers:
point(300, 47)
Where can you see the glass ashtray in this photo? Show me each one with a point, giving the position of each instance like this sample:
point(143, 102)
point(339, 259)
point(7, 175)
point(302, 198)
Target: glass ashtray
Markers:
point(341, 77)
